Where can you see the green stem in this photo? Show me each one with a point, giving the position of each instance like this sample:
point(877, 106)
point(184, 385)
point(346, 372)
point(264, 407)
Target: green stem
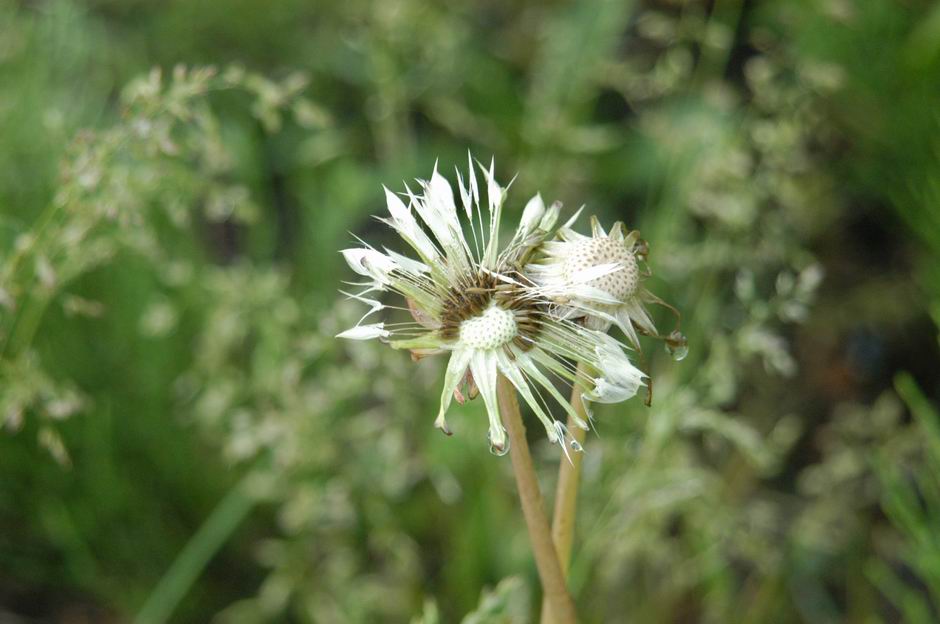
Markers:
point(540, 536)
point(566, 496)
point(192, 560)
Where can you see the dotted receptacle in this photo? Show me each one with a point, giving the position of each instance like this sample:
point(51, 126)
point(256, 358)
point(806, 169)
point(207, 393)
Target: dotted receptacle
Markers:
point(489, 330)
point(591, 252)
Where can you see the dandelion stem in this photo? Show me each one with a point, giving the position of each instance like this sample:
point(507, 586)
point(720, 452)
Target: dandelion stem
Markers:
point(566, 496)
point(546, 561)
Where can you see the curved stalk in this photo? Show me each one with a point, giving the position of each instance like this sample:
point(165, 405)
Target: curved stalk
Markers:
point(550, 574)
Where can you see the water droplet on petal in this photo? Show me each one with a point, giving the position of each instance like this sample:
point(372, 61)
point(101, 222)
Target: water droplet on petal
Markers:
point(496, 449)
point(677, 345)
point(499, 451)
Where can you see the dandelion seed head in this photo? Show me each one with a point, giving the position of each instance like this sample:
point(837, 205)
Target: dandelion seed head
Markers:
point(473, 299)
point(590, 252)
point(597, 280)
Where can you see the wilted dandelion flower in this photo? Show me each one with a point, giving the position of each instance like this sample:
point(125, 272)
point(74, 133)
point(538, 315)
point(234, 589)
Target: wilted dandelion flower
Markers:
point(471, 300)
point(614, 297)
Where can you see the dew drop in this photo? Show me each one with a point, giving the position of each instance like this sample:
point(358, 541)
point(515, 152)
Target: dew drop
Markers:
point(499, 451)
point(677, 345)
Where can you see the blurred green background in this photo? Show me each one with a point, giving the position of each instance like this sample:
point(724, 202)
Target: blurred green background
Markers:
point(183, 440)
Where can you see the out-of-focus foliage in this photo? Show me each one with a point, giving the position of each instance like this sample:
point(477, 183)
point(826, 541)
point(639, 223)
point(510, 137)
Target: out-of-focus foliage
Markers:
point(184, 439)
point(167, 153)
point(911, 498)
point(507, 603)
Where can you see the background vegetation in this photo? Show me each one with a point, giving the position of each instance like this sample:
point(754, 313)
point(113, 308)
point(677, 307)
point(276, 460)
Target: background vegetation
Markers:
point(184, 440)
